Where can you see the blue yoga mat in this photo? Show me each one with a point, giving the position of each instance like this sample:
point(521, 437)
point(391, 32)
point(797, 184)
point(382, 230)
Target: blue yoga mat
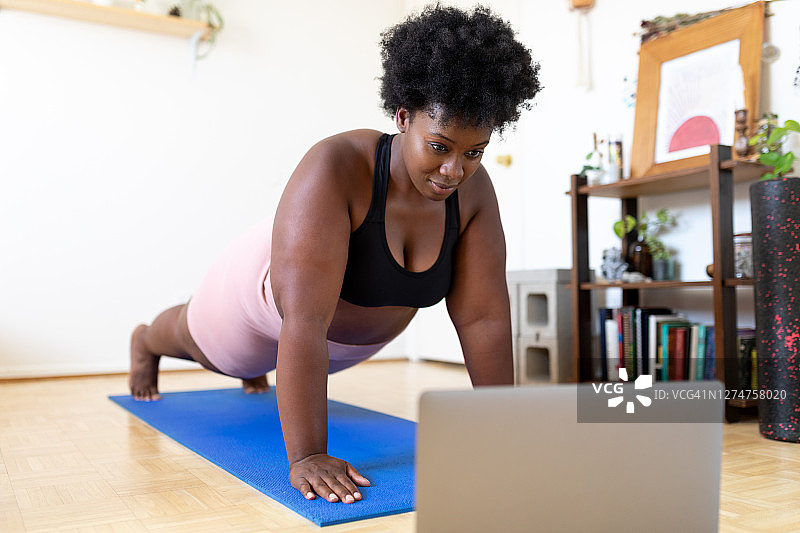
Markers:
point(241, 433)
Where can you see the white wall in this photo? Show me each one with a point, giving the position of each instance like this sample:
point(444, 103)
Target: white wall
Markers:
point(122, 175)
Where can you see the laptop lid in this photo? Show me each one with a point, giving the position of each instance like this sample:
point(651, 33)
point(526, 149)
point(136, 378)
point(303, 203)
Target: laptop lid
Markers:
point(517, 459)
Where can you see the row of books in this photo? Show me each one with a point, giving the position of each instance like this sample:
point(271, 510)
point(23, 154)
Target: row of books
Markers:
point(658, 341)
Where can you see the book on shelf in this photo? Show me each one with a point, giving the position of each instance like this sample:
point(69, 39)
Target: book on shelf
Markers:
point(658, 346)
point(628, 341)
point(673, 350)
point(642, 331)
point(612, 348)
point(655, 340)
point(700, 357)
point(691, 371)
point(710, 364)
point(604, 314)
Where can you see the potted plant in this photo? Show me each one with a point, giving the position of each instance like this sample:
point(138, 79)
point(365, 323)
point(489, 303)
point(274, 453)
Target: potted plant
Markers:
point(203, 11)
point(775, 210)
point(648, 254)
point(773, 155)
point(663, 266)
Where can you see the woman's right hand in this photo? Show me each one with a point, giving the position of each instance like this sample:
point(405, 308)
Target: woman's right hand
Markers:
point(329, 477)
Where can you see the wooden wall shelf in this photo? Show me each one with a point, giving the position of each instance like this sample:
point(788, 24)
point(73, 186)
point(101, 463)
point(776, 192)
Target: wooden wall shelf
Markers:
point(680, 180)
point(647, 285)
point(728, 282)
point(112, 15)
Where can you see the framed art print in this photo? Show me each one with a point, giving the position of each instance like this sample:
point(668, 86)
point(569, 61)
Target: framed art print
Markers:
point(690, 83)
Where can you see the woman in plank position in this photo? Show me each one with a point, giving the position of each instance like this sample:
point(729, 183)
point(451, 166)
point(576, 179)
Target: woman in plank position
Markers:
point(369, 228)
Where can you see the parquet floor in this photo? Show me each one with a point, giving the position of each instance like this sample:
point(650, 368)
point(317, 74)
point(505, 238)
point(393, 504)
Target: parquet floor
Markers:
point(71, 460)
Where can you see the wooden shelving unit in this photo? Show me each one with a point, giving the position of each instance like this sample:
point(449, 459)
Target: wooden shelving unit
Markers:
point(112, 15)
point(646, 285)
point(718, 177)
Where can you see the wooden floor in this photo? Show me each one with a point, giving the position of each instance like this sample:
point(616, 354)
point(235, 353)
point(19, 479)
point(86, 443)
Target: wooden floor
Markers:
point(71, 460)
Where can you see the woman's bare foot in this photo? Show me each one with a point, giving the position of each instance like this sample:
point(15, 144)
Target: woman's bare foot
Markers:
point(257, 385)
point(143, 376)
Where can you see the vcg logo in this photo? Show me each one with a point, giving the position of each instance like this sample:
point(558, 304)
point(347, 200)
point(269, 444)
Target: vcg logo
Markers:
point(642, 382)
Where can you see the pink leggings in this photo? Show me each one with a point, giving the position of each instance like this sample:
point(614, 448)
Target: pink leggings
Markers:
point(233, 319)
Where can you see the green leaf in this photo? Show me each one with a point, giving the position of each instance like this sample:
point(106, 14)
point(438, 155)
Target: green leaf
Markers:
point(624, 226)
point(792, 125)
point(630, 223)
point(768, 176)
point(619, 229)
point(589, 155)
point(770, 158)
point(784, 163)
point(776, 135)
point(755, 138)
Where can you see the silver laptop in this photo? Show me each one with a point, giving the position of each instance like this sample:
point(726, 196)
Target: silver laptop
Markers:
point(517, 459)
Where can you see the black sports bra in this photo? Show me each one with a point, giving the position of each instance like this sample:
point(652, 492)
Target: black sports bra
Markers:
point(373, 278)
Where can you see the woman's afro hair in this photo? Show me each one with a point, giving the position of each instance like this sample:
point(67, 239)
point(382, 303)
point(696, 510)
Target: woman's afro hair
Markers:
point(466, 66)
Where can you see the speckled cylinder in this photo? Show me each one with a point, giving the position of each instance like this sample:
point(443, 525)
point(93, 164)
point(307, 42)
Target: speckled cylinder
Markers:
point(775, 208)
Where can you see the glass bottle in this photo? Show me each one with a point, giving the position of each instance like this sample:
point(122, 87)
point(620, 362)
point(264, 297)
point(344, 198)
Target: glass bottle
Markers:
point(640, 257)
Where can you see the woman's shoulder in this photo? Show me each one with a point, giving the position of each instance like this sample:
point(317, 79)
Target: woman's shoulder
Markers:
point(476, 194)
point(339, 157)
point(353, 145)
point(337, 170)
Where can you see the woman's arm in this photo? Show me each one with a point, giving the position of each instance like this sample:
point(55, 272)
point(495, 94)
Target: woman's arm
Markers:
point(309, 256)
point(478, 301)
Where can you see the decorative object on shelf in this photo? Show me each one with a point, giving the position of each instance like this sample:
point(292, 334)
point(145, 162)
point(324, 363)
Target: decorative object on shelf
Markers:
point(640, 257)
point(647, 246)
point(723, 51)
point(743, 255)
point(663, 268)
point(775, 209)
point(204, 12)
point(772, 154)
point(593, 168)
point(634, 277)
point(741, 145)
point(615, 166)
point(604, 163)
point(613, 264)
point(661, 25)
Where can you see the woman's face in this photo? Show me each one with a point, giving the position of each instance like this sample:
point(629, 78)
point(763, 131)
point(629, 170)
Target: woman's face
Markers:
point(439, 157)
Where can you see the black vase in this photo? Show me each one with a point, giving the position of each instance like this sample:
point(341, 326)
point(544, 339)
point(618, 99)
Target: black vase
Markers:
point(775, 208)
